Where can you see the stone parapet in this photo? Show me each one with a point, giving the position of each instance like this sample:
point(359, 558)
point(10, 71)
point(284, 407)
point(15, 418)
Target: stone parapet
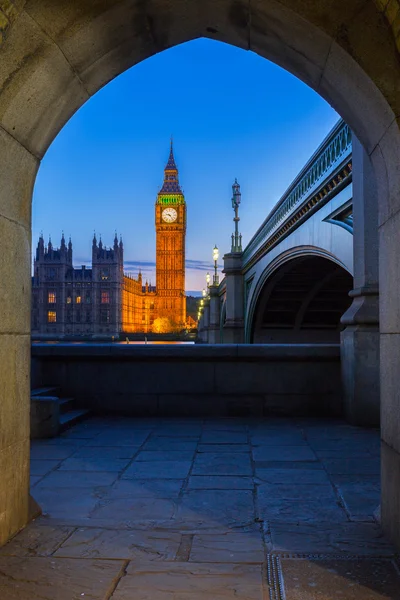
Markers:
point(221, 380)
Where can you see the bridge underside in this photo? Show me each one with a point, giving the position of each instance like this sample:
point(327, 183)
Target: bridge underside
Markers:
point(302, 302)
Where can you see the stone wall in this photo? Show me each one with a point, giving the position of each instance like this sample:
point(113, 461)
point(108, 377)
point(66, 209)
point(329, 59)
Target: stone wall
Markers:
point(225, 380)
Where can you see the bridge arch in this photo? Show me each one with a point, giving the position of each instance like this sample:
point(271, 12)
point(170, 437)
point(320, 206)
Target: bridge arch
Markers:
point(55, 55)
point(299, 298)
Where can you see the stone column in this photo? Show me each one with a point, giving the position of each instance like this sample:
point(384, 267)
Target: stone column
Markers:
point(214, 325)
point(206, 320)
point(234, 324)
point(360, 339)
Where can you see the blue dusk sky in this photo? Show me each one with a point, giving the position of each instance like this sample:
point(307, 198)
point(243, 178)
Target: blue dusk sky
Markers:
point(231, 114)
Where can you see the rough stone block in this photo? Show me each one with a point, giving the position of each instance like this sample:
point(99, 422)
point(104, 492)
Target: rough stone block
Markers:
point(390, 502)
point(15, 297)
point(45, 416)
point(14, 377)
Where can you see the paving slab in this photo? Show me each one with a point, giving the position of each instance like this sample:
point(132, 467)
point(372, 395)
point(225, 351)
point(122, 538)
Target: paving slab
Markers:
point(291, 491)
point(352, 466)
point(302, 476)
point(288, 464)
point(105, 452)
point(361, 539)
point(222, 463)
point(120, 438)
point(217, 508)
point(36, 541)
point(360, 499)
point(348, 579)
point(51, 452)
point(42, 467)
point(220, 482)
point(76, 479)
point(170, 444)
point(276, 438)
point(191, 581)
point(286, 453)
point(158, 469)
point(224, 425)
point(224, 437)
point(293, 511)
point(147, 488)
point(229, 547)
point(134, 509)
point(112, 465)
point(235, 448)
point(164, 455)
point(131, 545)
point(70, 503)
point(56, 578)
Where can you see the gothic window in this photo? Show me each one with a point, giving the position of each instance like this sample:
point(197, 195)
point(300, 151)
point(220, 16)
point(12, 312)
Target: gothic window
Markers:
point(78, 317)
point(51, 274)
point(69, 316)
point(88, 316)
point(105, 297)
point(105, 316)
point(105, 274)
point(51, 316)
point(78, 299)
point(51, 297)
point(88, 298)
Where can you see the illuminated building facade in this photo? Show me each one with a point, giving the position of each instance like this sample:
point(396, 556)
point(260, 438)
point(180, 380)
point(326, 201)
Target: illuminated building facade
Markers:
point(102, 300)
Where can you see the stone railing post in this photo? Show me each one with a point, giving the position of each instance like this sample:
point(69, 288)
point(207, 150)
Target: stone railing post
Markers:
point(234, 323)
point(360, 338)
point(213, 328)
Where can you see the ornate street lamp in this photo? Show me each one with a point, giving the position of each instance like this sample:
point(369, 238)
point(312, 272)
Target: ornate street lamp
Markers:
point(204, 293)
point(236, 199)
point(215, 258)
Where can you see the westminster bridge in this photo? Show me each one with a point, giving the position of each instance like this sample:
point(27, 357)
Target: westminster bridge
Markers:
point(307, 276)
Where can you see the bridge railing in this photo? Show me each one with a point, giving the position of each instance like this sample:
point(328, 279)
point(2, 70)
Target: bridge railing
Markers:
point(333, 151)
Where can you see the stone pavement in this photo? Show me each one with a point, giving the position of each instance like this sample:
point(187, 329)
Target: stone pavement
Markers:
point(190, 509)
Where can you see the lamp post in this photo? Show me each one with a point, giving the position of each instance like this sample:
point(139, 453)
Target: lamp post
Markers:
point(236, 199)
point(204, 293)
point(215, 258)
point(208, 283)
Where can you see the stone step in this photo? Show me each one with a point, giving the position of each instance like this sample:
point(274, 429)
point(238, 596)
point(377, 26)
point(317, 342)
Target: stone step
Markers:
point(66, 404)
point(44, 391)
point(72, 417)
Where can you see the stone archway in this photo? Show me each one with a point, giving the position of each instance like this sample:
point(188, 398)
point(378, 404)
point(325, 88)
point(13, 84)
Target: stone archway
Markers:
point(302, 301)
point(54, 55)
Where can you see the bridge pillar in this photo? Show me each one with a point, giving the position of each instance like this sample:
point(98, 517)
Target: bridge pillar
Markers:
point(213, 327)
point(234, 323)
point(205, 320)
point(360, 338)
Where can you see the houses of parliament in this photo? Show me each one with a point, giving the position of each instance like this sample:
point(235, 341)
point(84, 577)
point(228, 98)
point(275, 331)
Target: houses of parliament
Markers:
point(103, 300)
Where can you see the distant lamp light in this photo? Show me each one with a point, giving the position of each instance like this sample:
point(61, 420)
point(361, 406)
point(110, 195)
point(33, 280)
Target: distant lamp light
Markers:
point(215, 253)
point(215, 258)
point(204, 293)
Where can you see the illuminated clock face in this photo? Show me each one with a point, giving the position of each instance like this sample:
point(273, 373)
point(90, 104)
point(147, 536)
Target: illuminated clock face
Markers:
point(169, 215)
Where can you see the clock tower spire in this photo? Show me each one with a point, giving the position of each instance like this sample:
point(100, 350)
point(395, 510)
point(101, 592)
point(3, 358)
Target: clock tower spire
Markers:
point(170, 223)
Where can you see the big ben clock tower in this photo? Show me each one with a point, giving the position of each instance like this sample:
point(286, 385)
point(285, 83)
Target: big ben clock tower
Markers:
point(170, 221)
